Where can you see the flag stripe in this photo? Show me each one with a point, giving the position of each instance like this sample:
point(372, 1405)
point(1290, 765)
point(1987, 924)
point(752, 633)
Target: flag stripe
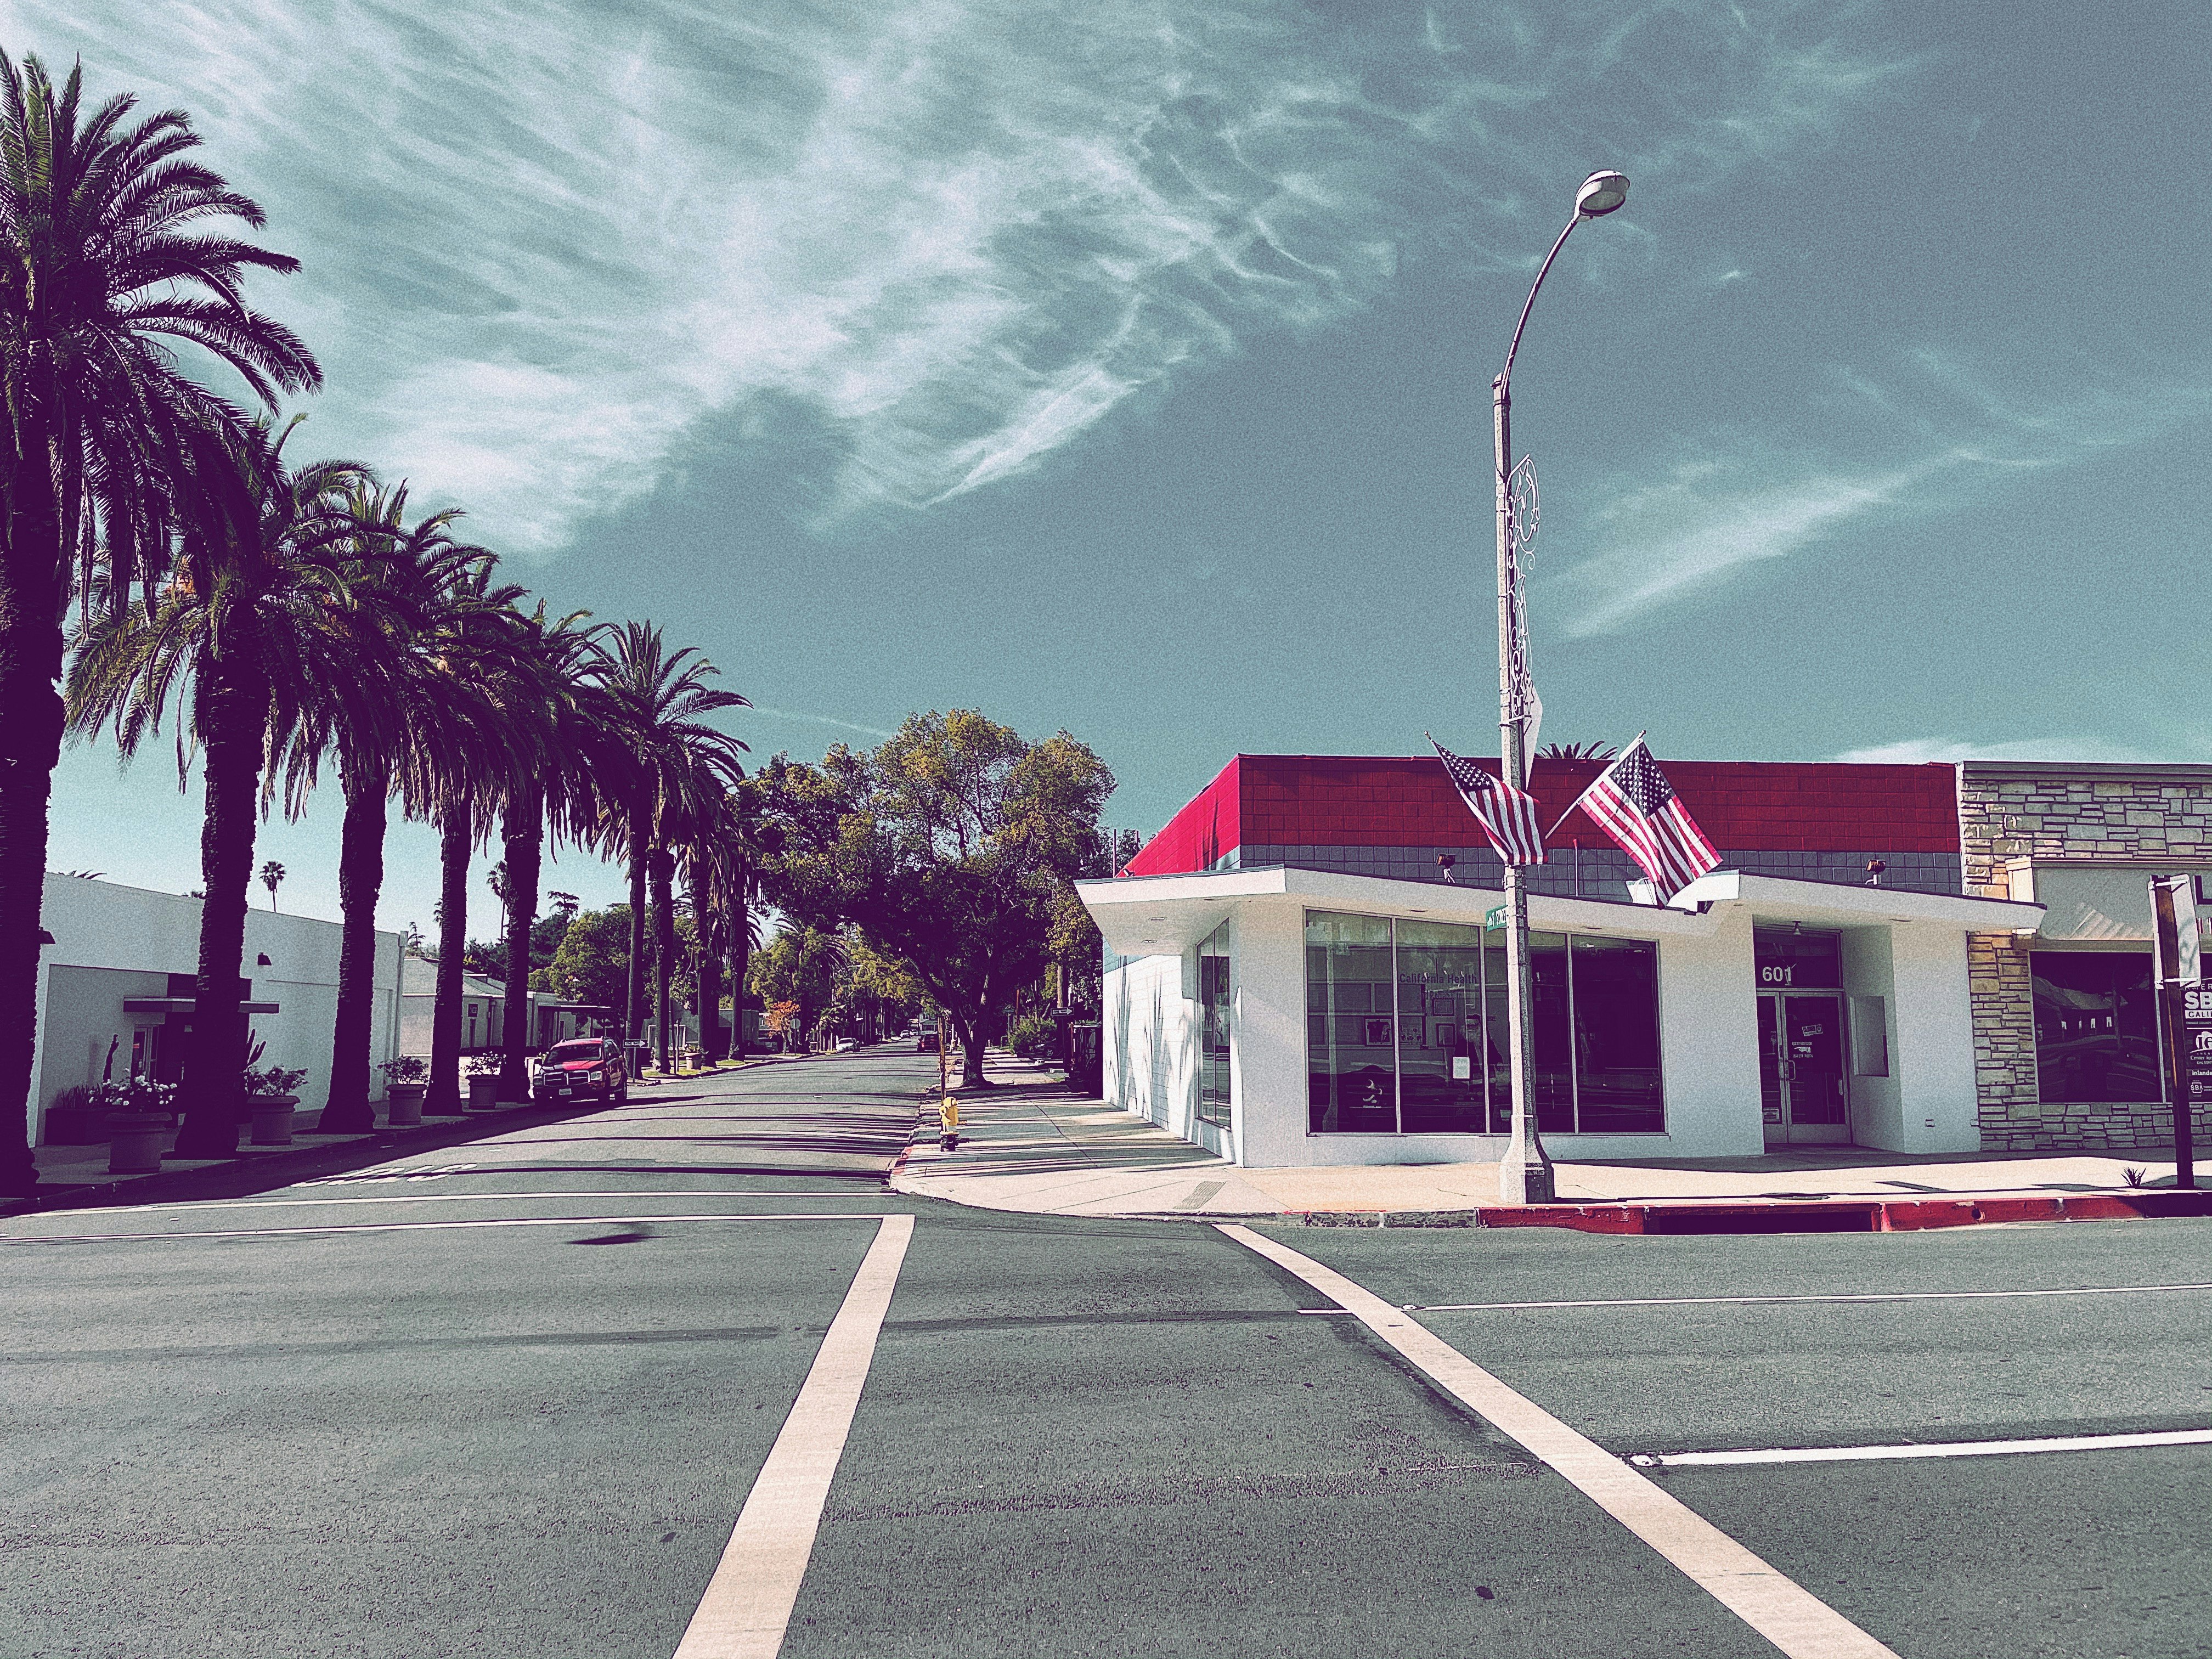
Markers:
point(1632, 802)
point(1506, 816)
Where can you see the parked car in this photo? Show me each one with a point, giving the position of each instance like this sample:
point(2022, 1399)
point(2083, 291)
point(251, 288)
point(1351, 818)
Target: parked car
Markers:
point(926, 1043)
point(583, 1066)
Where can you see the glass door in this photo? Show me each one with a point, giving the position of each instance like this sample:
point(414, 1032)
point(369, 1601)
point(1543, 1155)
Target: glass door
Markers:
point(1803, 1090)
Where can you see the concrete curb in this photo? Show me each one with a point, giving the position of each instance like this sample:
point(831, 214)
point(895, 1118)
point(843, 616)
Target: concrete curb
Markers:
point(1772, 1215)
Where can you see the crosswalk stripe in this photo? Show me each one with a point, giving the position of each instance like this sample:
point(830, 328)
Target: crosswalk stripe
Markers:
point(1794, 1620)
point(748, 1602)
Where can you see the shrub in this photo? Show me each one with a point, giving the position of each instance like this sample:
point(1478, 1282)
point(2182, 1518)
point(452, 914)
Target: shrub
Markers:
point(482, 1064)
point(1034, 1037)
point(407, 1068)
point(274, 1084)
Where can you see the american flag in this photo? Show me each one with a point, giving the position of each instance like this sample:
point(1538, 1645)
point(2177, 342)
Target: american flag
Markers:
point(1632, 802)
point(1508, 818)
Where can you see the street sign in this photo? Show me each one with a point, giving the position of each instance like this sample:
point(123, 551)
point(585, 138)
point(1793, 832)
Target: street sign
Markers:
point(2177, 930)
point(1494, 917)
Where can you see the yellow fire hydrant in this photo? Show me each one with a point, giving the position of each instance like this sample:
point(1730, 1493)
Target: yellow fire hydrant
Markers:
point(948, 1119)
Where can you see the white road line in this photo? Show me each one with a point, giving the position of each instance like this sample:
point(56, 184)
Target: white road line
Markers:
point(1755, 1301)
point(1938, 1449)
point(748, 1602)
point(552, 1197)
point(1796, 1622)
point(424, 1226)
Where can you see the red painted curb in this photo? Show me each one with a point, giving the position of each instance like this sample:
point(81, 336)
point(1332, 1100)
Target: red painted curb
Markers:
point(1768, 1215)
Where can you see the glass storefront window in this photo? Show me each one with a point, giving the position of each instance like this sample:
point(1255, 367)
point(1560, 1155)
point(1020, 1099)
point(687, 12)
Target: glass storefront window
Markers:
point(1350, 1025)
point(2096, 1027)
point(1213, 1016)
point(1441, 1071)
point(1406, 1029)
point(1617, 1036)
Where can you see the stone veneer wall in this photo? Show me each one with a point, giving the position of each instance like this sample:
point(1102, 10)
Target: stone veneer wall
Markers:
point(2097, 816)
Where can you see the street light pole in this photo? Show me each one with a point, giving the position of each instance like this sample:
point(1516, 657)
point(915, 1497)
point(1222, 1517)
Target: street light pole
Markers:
point(1524, 1175)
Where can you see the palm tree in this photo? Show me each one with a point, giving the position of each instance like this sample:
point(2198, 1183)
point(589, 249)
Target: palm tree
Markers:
point(486, 657)
point(382, 743)
point(681, 764)
point(272, 877)
point(243, 639)
point(580, 765)
point(105, 439)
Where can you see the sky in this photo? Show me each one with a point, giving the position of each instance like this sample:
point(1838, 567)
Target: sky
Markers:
point(1123, 367)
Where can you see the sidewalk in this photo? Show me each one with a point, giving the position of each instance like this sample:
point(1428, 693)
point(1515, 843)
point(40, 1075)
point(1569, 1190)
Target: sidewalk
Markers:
point(73, 1176)
point(1034, 1147)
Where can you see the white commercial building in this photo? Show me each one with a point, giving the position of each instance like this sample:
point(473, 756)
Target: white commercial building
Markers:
point(1301, 966)
point(1281, 1017)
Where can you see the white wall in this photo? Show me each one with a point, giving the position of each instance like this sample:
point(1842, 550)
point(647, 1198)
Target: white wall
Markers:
point(102, 924)
point(1931, 1055)
point(1150, 1042)
point(1877, 1108)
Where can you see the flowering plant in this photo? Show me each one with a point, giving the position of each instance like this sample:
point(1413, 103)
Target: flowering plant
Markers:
point(482, 1065)
point(136, 1094)
point(407, 1068)
point(274, 1084)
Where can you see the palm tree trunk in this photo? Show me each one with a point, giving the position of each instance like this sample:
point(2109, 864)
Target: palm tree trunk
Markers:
point(456, 838)
point(741, 962)
point(709, 968)
point(522, 827)
point(664, 950)
point(233, 715)
point(361, 877)
point(30, 748)
point(712, 1038)
point(634, 1001)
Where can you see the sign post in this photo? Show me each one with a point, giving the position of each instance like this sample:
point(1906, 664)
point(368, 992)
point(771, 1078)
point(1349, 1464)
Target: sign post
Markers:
point(2185, 1010)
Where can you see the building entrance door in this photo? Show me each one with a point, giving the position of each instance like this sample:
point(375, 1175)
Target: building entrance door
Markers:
point(1801, 1089)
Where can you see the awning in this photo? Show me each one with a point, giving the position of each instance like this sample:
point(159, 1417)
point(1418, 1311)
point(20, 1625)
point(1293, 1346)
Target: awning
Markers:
point(187, 1005)
point(1165, 915)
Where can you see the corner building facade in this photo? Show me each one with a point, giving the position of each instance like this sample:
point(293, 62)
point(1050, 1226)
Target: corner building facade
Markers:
point(1299, 968)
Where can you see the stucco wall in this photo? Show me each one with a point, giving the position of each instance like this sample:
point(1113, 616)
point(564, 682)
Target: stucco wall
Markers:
point(1150, 1041)
point(113, 943)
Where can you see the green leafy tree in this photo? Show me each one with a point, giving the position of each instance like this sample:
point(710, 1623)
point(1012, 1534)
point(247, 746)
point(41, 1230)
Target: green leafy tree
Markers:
point(948, 846)
point(800, 966)
point(592, 963)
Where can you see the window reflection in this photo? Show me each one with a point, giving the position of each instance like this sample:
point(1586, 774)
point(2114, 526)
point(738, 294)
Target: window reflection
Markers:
point(1406, 1029)
point(2096, 1027)
point(1213, 1014)
point(1351, 1039)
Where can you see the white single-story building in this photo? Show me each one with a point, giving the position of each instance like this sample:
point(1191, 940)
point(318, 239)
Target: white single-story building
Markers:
point(483, 1010)
point(1300, 967)
point(116, 988)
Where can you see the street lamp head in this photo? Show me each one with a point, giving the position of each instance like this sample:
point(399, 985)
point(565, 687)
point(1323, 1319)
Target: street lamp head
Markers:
point(1601, 193)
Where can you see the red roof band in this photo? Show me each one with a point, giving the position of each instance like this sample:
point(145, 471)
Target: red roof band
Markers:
point(1352, 800)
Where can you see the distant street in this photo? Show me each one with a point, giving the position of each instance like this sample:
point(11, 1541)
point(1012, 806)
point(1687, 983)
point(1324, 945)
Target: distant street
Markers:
point(509, 1399)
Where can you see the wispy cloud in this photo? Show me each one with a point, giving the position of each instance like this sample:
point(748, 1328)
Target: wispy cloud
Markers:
point(1915, 750)
point(1745, 500)
point(1708, 520)
point(544, 241)
point(821, 719)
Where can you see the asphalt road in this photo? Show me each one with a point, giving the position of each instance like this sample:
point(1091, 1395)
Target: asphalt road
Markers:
point(397, 1414)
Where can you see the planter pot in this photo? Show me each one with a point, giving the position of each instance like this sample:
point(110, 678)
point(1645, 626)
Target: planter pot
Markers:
point(484, 1093)
point(272, 1119)
point(134, 1141)
point(402, 1105)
